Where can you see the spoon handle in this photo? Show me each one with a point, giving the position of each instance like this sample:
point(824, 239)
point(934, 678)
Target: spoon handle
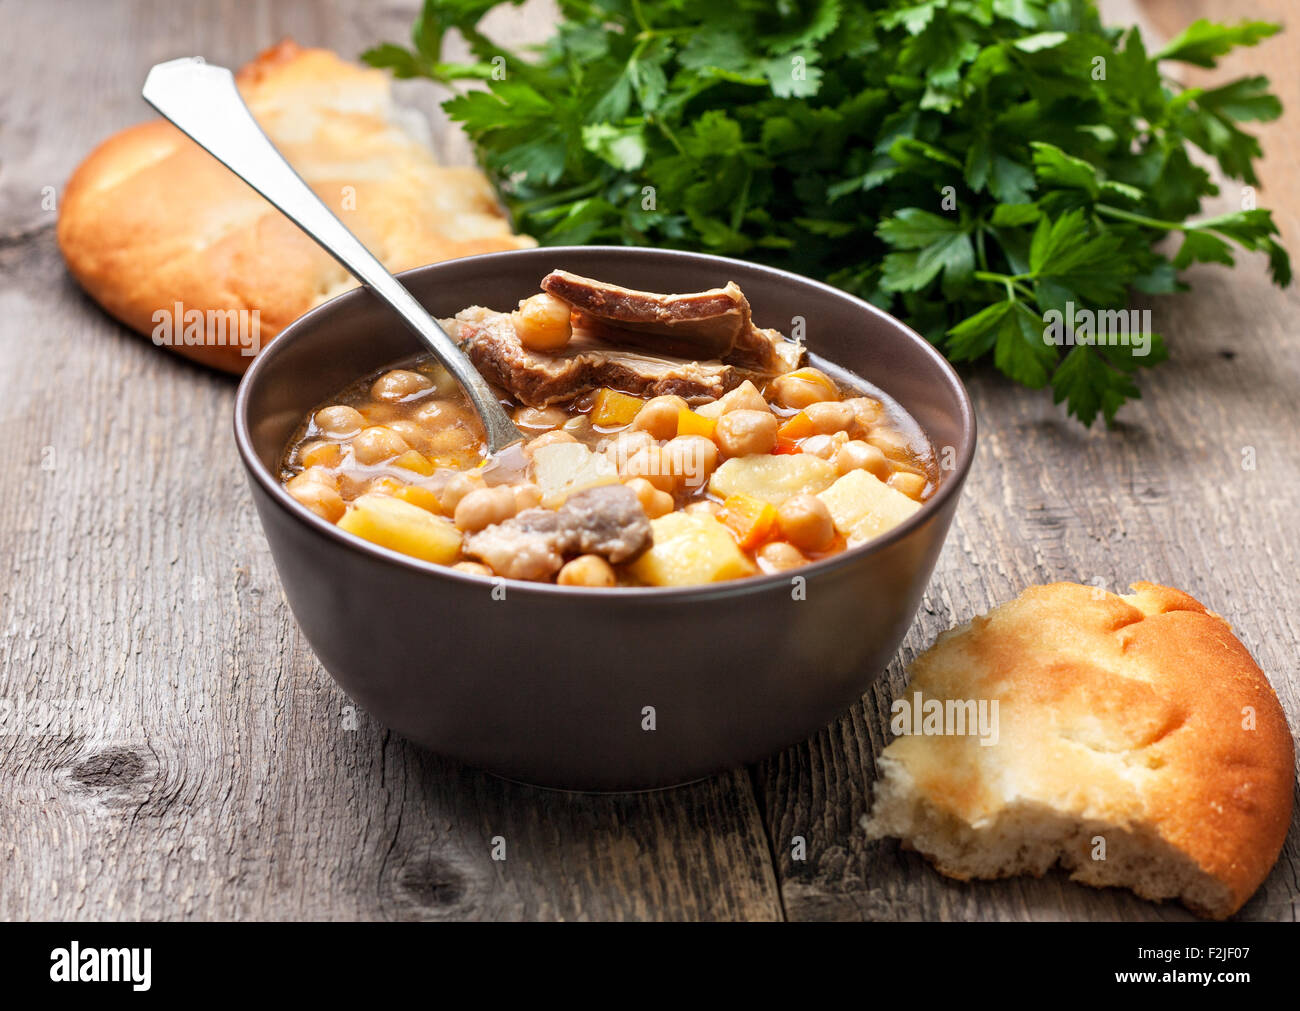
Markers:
point(202, 101)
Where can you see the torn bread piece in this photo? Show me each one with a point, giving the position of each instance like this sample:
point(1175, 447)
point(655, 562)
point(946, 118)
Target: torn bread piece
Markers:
point(1134, 743)
point(177, 247)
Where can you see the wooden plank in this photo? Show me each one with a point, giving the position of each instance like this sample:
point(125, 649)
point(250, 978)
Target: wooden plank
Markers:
point(170, 747)
point(1162, 497)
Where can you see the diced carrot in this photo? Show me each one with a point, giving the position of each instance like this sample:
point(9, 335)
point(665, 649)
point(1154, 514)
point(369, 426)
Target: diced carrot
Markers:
point(416, 461)
point(785, 447)
point(690, 423)
point(751, 521)
point(799, 426)
point(611, 408)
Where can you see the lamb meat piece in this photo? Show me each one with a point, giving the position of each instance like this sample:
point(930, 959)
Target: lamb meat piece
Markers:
point(586, 363)
point(705, 325)
point(607, 520)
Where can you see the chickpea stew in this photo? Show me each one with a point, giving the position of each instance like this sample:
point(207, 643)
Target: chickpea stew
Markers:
point(644, 468)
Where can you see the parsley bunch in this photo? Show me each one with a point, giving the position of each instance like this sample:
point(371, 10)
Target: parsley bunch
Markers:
point(971, 165)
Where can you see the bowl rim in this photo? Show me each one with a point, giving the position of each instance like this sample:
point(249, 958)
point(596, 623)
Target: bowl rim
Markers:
point(750, 584)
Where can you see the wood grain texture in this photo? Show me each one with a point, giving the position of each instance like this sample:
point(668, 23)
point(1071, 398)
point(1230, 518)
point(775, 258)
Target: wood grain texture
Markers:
point(169, 747)
point(1162, 497)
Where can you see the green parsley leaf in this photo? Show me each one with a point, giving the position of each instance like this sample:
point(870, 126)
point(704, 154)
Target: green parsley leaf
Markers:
point(971, 165)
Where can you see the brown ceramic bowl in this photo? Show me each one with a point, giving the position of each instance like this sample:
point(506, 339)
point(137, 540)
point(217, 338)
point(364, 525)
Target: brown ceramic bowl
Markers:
point(559, 686)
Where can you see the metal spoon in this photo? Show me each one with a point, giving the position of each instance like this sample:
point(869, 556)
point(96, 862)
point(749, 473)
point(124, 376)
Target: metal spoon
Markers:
point(202, 101)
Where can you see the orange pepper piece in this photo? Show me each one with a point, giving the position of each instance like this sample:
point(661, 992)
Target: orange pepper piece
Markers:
point(690, 423)
point(611, 408)
point(798, 426)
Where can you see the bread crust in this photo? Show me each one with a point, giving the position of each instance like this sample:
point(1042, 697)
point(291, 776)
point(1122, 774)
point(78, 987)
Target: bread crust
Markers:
point(1143, 713)
point(149, 219)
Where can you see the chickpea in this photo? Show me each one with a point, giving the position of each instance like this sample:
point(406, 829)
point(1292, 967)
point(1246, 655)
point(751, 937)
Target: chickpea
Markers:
point(779, 556)
point(867, 411)
point(374, 445)
point(474, 568)
point(824, 446)
point(911, 485)
point(543, 418)
point(859, 455)
point(339, 422)
point(745, 432)
point(806, 522)
point(483, 507)
point(313, 475)
point(890, 442)
point(656, 503)
point(744, 397)
point(399, 384)
point(527, 496)
point(620, 449)
point(658, 416)
point(542, 323)
point(440, 414)
point(382, 414)
point(549, 439)
point(455, 439)
point(648, 462)
point(828, 417)
point(587, 570)
point(690, 458)
point(415, 434)
point(803, 387)
point(322, 499)
point(457, 488)
point(444, 383)
point(320, 453)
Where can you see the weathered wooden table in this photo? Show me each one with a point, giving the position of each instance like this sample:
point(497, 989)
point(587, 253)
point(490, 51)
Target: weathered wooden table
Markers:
point(172, 749)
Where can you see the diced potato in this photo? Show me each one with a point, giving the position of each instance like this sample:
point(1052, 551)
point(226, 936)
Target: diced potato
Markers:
point(412, 460)
point(563, 468)
point(691, 549)
point(393, 523)
point(863, 506)
point(612, 408)
point(419, 496)
point(772, 479)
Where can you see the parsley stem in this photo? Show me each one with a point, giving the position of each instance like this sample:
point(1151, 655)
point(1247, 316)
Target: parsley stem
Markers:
point(572, 193)
point(1141, 219)
point(639, 15)
point(1008, 281)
